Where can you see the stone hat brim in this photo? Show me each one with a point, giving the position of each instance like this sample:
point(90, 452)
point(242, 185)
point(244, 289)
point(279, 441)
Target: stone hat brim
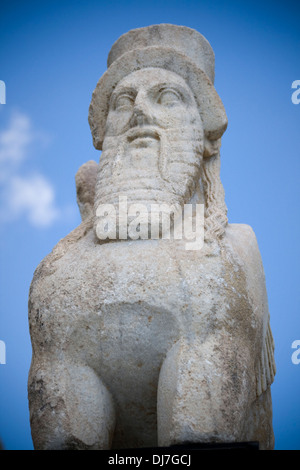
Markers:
point(209, 103)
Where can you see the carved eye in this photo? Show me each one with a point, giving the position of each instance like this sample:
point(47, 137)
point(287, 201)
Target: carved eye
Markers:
point(168, 97)
point(123, 103)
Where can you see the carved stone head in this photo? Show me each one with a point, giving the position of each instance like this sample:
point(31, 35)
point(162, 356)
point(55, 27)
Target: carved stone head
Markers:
point(158, 120)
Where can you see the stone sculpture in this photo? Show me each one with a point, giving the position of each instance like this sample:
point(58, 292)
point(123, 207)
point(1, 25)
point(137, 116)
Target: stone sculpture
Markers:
point(141, 342)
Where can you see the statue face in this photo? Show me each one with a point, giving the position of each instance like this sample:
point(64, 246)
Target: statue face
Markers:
point(147, 101)
point(153, 139)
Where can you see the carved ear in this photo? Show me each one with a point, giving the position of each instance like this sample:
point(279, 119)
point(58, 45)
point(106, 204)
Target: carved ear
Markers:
point(85, 180)
point(211, 147)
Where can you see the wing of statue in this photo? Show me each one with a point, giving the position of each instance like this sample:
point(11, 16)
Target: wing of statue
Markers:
point(244, 243)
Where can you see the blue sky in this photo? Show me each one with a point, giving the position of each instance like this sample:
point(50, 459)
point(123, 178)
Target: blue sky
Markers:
point(51, 57)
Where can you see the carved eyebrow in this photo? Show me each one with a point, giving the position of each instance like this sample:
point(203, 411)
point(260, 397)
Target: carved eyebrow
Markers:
point(129, 91)
point(184, 93)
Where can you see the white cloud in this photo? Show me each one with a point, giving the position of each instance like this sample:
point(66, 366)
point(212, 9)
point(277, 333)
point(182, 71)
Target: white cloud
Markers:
point(14, 143)
point(34, 197)
point(30, 195)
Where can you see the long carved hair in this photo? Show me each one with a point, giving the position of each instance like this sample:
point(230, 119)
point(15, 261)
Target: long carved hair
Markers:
point(214, 198)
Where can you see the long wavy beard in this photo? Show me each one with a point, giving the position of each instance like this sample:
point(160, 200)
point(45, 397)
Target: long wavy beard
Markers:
point(165, 172)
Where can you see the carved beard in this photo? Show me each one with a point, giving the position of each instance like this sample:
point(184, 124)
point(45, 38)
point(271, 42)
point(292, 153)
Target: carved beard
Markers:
point(164, 169)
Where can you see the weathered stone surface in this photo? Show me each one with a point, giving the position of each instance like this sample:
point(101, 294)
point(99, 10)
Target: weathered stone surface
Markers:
point(85, 188)
point(142, 342)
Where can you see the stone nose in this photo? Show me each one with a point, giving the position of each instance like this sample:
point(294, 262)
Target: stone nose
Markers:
point(141, 112)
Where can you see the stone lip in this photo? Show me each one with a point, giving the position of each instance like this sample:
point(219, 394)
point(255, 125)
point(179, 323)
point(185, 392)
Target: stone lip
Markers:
point(142, 132)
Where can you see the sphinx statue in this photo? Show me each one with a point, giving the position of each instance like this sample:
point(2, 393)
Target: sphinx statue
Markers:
point(138, 341)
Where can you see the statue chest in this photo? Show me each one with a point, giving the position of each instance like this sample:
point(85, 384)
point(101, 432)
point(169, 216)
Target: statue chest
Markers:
point(122, 306)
